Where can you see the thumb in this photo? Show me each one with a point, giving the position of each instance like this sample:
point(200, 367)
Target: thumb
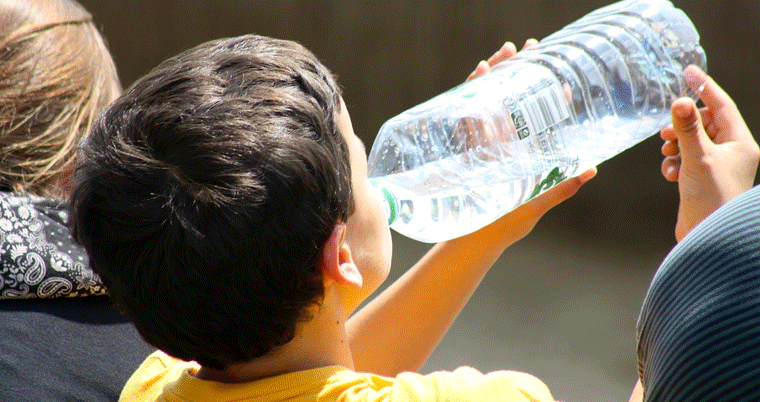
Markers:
point(687, 124)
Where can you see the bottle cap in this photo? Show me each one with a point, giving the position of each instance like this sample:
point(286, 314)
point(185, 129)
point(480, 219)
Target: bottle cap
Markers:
point(390, 201)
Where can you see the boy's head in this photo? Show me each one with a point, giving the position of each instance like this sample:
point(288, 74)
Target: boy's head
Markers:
point(206, 193)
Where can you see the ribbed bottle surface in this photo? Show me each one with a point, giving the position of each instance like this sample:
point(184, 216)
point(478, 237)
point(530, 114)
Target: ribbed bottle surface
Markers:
point(600, 85)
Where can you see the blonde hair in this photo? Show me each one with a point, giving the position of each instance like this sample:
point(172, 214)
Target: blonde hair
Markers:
point(56, 76)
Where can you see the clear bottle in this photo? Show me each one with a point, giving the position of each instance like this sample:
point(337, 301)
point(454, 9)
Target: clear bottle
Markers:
point(602, 84)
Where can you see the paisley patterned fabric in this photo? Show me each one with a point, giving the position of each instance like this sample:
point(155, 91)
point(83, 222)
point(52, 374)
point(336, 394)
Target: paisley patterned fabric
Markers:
point(38, 258)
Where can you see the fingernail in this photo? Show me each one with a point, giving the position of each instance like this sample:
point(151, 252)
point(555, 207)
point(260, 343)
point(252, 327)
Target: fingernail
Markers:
point(588, 175)
point(693, 74)
point(669, 171)
point(683, 111)
point(695, 78)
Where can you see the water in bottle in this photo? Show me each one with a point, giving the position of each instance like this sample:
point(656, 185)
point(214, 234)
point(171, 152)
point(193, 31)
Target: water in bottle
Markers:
point(459, 161)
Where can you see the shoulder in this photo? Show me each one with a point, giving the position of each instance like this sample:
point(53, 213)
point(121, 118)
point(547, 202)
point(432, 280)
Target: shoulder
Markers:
point(703, 304)
point(38, 257)
point(66, 349)
point(154, 374)
point(19, 202)
point(161, 376)
point(726, 241)
point(466, 383)
point(718, 257)
point(463, 384)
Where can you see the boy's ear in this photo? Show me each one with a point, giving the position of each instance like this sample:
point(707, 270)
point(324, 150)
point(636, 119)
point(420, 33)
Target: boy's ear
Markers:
point(336, 261)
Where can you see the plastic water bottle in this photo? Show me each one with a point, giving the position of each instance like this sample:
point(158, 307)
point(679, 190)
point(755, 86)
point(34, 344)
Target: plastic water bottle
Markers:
point(602, 84)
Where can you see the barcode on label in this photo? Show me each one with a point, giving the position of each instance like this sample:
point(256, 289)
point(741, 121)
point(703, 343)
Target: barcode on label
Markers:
point(545, 109)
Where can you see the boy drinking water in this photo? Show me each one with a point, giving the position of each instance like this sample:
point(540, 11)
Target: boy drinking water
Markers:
point(224, 201)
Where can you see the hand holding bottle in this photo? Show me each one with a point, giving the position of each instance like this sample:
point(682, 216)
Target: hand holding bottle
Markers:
point(520, 221)
point(710, 152)
point(440, 284)
point(507, 50)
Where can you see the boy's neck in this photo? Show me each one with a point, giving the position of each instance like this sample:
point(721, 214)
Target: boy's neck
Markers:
point(319, 342)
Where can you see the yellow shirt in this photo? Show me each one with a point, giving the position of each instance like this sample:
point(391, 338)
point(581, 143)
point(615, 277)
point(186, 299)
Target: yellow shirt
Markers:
point(163, 378)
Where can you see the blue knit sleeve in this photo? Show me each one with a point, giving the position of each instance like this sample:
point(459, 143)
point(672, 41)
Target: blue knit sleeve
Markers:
point(699, 327)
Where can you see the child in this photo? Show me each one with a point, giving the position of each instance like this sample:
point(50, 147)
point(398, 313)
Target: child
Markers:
point(224, 201)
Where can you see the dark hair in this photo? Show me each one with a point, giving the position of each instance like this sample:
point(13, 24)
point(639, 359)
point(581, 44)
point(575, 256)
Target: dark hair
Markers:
point(205, 194)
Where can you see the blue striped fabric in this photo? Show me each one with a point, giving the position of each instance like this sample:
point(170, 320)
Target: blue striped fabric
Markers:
point(699, 327)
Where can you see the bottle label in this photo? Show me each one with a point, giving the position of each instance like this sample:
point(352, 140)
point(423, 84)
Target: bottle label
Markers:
point(552, 179)
point(536, 117)
point(540, 111)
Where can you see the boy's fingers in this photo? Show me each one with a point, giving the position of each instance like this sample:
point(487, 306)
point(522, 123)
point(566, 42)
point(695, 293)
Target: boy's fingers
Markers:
point(687, 123)
point(480, 69)
point(507, 50)
point(562, 191)
point(530, 42)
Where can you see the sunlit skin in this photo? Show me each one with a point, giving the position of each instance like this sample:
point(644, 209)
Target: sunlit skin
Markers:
point(710, 152)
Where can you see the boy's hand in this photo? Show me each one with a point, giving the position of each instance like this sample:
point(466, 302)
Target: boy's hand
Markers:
point(519, 222)
point(710, 152)
point(522, 220)
point(507, 50)
point(379, 334)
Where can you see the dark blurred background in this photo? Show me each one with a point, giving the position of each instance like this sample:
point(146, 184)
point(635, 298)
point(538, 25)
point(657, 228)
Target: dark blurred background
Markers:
point(561, 304)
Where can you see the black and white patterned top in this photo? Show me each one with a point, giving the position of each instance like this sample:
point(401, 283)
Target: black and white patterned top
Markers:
point(38, 257)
